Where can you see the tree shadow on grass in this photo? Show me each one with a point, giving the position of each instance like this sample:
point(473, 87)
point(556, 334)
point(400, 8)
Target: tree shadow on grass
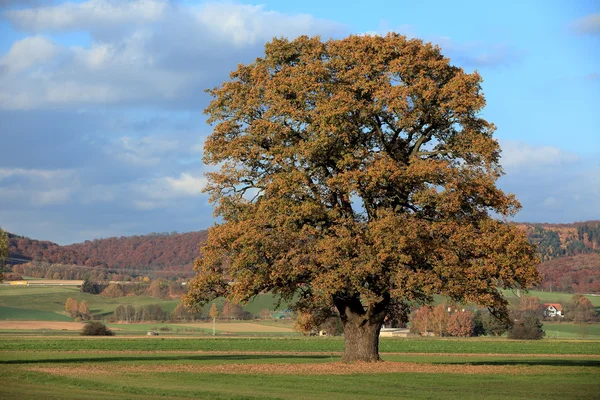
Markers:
point(208, 357)
point(563, 362)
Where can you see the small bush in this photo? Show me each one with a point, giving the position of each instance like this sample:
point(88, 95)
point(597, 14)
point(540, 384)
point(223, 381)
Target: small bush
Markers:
point(96, 328)
point(529, 328)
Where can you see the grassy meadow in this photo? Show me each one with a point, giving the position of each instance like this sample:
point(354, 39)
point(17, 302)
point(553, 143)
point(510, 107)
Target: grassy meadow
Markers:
point(295, 368)
point(268, 360)
point(48, 303)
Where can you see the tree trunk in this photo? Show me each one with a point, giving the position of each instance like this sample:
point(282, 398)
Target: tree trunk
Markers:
point(361, 340)
point(361, 328)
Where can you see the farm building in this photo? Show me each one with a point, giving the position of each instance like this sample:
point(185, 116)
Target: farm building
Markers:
point(394, 332)
point(552, 310)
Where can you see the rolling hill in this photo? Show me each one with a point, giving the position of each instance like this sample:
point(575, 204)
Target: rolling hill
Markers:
point(570, 253)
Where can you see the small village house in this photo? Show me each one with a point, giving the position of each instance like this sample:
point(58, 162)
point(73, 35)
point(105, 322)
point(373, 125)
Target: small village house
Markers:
point(552, 310)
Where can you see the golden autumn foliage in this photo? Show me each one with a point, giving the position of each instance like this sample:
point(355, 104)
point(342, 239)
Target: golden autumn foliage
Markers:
point(357, 174)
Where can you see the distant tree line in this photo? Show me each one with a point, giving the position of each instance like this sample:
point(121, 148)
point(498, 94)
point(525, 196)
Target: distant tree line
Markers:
point(173, 252)
point(575, 274)
point(129, 313)
point(571, 255)
point(527, 316)
point(157, 288)
point(556, 241)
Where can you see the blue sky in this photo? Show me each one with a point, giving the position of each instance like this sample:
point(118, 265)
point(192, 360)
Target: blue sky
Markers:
point(101, 101)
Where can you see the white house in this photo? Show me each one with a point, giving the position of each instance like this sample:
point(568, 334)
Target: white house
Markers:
point(552, 310)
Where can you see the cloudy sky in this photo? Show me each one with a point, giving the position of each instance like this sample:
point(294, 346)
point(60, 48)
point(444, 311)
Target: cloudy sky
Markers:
point(101, 124)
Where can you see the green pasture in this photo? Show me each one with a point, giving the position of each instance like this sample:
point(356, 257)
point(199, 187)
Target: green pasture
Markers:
point(51, 299)
point(572, 331)
point(173, 329)
point(301, 344)
point(92, 368)
point(42, 303)
point(551, 297)
point(27, 314)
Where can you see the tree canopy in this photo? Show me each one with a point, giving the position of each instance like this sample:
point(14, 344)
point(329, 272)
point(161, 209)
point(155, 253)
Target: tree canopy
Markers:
point(357, 175)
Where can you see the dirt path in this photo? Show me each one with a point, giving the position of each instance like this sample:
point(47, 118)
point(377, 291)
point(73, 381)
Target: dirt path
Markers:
point(329, 368)
point(306, 353)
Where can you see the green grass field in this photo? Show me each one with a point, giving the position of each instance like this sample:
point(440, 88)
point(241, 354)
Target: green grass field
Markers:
point(551, 297)
point(42, 303)
point(306, 368)
point(572, 331)
point(303, 344)
point(27, 314)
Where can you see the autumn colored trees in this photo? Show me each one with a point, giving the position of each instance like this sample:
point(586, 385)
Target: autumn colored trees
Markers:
point(171, 252)
point(571, 254)
point(150, 312)
point(77, 310)
point(357, 174)
point(442, 320)
point(581, 310)
point(3, 251)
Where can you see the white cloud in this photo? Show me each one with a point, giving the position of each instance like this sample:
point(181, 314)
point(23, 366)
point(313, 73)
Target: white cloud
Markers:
point(52, 196)
point(166, 191)
point(36, 187)
point(90, 14)
point(28, 52)
point(517, 155)
point(588, 25)
point(479, 54)
point(99, 194)
point(245, 24)
point(187, 184)
point(142, 151)
point(472, 54)
point(551, 202)
point(553, 185)
point(143, 52)
point(41, 174)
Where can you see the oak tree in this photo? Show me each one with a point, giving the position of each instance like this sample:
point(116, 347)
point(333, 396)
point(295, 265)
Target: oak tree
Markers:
point(357, 175)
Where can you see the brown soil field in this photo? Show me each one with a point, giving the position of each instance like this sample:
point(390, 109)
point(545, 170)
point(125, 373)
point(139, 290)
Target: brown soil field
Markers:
point(330, 368)
point(29, 325)
point(236, 327)
point(304, 353)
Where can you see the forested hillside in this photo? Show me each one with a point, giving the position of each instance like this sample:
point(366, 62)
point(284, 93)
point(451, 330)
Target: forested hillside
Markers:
point(575, 274)
point(570, 254)
point(154, 251)
point(23, 248)
point(563, 240)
